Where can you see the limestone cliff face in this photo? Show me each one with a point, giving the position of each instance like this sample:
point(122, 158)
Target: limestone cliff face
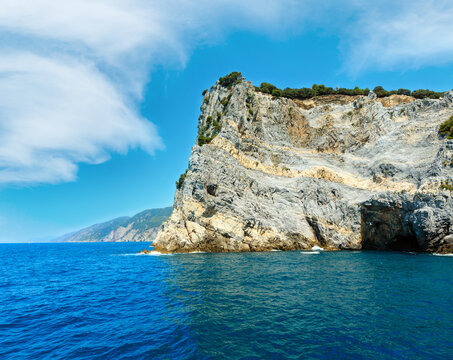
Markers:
point(340, 172)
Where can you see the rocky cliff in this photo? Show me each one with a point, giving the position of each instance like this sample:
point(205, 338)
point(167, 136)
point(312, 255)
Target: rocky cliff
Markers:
point(340, 172)
point(143, 226)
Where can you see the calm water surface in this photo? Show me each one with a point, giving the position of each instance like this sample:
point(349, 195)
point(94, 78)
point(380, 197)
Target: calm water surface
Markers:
point(85, 301)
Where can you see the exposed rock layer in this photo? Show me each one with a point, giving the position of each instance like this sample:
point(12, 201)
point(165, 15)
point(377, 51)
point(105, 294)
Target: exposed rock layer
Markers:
point(339, 172)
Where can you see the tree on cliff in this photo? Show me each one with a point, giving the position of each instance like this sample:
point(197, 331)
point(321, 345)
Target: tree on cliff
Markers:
point(231, 79)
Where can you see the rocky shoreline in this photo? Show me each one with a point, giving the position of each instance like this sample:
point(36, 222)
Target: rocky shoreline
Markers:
point(338, 172)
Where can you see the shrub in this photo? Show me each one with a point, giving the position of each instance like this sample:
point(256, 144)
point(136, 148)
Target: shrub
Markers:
point(204, 92)
point(404, 92)
point(290, 93)
point(180, 182)
point(446, 128)
point(231, 79)
point(343, 91)
point(203, 139)
point(277, 92)
point(424, 94)
point(380, 92)
point(308, 93)
point(358, 91)
point(305, 93)
point(217, 127)
point(225, 101)
point(267, 88)
point(208, 132)
point(446, 185)
point(321, 90)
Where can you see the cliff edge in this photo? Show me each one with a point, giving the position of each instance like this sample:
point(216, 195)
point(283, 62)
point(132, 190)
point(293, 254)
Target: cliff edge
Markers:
point(337, 171)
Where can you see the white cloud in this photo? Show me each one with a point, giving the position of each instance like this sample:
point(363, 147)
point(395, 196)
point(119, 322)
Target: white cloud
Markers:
point(55, 114)
point(111, 27)
point(71, 72)
point(398, 35)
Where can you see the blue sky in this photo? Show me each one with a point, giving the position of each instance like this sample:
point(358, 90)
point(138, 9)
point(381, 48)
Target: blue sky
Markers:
point(99, 100)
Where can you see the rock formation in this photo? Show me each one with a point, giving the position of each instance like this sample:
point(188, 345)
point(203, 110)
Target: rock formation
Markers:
point(140, 227)
point(339, 172)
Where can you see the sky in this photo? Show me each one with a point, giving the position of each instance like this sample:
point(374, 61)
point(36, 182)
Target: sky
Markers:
point(99, 99)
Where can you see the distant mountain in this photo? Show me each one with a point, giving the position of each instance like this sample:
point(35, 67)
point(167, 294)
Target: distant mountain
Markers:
point(140, 227)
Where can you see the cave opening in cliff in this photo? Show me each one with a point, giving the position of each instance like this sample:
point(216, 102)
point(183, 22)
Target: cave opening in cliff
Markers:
point(404, 243)
point(378, 240)
point(384, 228)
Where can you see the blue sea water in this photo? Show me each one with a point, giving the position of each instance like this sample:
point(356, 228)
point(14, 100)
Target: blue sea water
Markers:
point(85, 301)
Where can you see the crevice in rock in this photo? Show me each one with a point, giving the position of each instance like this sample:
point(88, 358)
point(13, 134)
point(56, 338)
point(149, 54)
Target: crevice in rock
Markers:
point(316, 230)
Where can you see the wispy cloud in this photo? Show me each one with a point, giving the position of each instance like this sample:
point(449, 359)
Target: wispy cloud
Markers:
point(56, 113)
point(72, 72)
point(398, 35)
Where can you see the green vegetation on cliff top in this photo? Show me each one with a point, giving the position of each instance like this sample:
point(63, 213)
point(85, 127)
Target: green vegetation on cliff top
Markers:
point(236, 77)
point(321, 90)
point(231, 79)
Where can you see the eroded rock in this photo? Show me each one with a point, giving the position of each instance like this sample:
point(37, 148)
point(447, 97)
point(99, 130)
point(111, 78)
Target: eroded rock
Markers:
point(347, 173)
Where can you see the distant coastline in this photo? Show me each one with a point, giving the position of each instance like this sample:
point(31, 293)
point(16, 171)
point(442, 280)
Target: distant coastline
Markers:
point(142, 227)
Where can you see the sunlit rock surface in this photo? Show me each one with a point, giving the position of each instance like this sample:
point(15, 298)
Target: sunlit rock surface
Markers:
point(339, 172)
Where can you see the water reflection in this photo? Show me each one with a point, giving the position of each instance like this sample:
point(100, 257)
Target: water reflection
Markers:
point(78, 301)
point(286, 305)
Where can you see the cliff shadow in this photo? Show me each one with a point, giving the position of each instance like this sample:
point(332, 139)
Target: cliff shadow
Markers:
point(384, 227)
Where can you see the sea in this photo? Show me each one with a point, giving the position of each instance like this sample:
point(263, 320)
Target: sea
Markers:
point(103, 301)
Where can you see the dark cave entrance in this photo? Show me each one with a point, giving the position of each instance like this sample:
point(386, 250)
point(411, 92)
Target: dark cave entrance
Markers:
point(404, 243)
point(386, 228)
